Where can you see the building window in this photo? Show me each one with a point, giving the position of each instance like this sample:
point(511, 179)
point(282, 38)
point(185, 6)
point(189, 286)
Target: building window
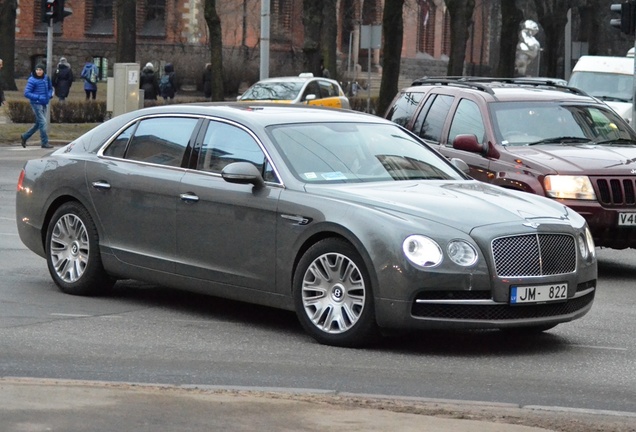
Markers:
point(281, 20)
point(155, 18)
point(102, 66)
point(102, 17)
point(426, 41)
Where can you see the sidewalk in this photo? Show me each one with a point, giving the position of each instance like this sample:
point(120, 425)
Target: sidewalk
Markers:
point(69, 406)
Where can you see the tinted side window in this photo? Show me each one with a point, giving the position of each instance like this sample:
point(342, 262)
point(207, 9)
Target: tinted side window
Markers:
point(161, 140)
point(467, 120)
point(404, 107)
point(312, 88)
point(118, 147)
point(327, 89)
point(434, 121)
point(224, 144)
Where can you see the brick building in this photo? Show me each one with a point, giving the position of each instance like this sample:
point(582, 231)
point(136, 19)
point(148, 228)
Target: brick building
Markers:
point(175, 31)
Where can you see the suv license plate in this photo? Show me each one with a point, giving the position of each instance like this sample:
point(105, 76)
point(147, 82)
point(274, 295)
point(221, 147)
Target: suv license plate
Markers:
point(627, 219)
point(538, 293)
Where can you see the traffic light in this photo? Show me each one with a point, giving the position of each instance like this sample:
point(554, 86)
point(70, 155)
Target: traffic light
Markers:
point(54, 9)
point(61, 12)
point(626, 22)
point(48, 10)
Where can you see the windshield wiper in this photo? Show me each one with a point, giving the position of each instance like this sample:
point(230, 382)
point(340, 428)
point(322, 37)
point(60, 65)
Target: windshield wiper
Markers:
point(561, 140)
point(617, 141)
point(613, 99)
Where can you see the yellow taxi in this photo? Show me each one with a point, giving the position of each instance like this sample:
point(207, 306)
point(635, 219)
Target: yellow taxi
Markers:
point(301, 89)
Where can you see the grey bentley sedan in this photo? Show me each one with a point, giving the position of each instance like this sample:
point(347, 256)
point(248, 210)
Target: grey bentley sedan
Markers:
point(346, 218)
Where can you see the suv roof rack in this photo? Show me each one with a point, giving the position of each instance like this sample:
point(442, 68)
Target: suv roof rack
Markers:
point(480, 83)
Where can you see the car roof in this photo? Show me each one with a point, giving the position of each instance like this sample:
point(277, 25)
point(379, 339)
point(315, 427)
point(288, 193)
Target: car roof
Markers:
point(301, 78)
point(506, 89)
point(259, 113)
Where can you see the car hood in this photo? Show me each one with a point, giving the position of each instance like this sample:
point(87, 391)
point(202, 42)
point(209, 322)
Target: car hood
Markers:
point(463, 205)
point(588, 159)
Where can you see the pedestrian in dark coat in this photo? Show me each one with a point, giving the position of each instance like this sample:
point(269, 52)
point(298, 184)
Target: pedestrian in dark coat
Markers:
point(39, 92)
point(167, 85)
point(62, 79)
point(148, 82)
point(207, 81)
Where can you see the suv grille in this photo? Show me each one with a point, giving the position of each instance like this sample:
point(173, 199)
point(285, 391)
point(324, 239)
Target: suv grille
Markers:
point(615, 191)
point(534, 255)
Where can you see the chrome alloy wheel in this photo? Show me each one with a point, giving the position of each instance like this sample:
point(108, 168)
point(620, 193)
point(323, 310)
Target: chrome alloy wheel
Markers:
point(69, 248)
point(333, 293)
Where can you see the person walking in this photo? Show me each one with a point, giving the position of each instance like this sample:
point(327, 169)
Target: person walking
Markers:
point(90, 74)
point(148, 82)
point(62, 79)
point(39, 91)
point(167, 85)
point(207, 81)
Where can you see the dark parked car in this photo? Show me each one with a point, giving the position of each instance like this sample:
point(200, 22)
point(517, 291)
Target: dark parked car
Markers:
point(533, 136)
point(346, 218)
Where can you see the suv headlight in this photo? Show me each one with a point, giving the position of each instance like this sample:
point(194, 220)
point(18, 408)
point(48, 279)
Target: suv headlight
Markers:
point(569, 187)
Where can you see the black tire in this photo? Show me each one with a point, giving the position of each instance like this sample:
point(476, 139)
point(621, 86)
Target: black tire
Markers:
point(72, 252)
point(333, 296)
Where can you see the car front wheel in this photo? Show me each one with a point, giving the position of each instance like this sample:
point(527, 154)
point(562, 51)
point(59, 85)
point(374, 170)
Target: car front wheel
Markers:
point(333, 296)
point(72, 252)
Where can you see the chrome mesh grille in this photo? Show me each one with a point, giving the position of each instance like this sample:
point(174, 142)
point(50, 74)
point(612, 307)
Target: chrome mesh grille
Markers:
point(534, 255)
point(615, 191)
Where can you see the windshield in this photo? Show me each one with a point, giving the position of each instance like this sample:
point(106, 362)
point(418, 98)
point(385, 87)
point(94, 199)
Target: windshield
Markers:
point(611, 87)
point(523, 123)
point(357, 152)
point(281, 90)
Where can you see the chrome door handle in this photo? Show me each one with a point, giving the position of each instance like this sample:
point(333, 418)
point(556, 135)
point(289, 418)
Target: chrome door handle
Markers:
point(189, 197)
point(101, 185)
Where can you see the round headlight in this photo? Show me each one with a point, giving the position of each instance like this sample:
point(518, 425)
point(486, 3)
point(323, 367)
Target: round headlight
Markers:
point(422, 251)
point(462, 253)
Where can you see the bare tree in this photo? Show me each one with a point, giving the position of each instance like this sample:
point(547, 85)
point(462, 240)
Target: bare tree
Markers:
point(552, 15)
point(511, 17)
point(461, 12)
point(7, 43)
point(216, 48)
point(125, 51)
point(393, 31)
point(312, 22)
point(329, 33)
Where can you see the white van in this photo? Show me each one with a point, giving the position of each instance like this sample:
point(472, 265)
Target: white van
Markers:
point(610, 79)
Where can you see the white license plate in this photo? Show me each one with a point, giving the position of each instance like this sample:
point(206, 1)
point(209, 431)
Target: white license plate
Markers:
point(538, 293)
point(627, 219)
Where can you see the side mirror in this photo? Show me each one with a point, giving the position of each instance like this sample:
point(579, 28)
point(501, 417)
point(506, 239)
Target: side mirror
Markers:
point(461, 165)
point(242, 173)
point(310, 97)
point(467, 142)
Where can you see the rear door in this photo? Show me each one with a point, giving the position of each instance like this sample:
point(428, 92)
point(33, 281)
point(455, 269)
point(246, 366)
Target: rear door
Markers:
point(135, 189)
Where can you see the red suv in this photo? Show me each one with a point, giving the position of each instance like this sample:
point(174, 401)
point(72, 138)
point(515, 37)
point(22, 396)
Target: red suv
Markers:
point(536, 136)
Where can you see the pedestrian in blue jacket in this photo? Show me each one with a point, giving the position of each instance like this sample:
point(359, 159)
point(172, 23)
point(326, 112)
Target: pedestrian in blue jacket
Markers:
point(39, 91)
point(90, 73)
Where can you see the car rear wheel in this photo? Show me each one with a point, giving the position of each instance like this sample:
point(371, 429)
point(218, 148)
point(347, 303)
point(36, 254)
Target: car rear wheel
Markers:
point(72, 252)
point(333, 296)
